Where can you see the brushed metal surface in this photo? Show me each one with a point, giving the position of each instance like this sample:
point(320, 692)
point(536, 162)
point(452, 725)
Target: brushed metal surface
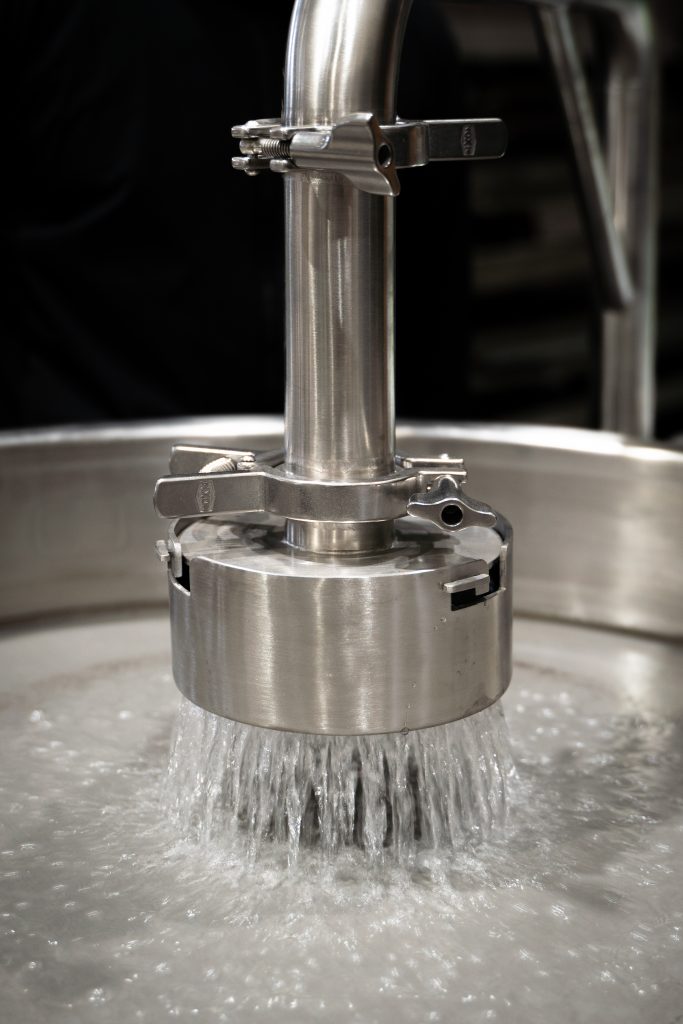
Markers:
point(342, 59)
point(370, 644)
point(339, 329)
point(339, 254)
point(597, 517)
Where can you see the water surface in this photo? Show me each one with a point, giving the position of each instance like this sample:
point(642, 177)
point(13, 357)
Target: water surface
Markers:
point(571, 911)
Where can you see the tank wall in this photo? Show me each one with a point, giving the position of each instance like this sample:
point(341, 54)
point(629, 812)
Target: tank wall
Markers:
point(596, 517)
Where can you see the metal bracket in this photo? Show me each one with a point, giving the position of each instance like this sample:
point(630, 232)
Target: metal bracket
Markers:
point(366, 153)
point(255, 482)
point(170, 552)
point(479, 582)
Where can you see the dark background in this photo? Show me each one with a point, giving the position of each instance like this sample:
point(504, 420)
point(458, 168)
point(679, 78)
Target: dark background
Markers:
point(143, 277)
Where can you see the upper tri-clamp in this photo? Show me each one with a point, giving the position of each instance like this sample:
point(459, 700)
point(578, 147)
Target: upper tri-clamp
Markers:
point(366, 153)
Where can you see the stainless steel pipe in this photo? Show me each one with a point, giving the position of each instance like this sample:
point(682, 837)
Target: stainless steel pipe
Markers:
point(342, 58)
point(611, 262)
point(629, 335)
point(619, 192)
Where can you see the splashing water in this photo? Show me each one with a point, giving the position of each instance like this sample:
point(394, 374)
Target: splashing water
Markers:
point(392, 794)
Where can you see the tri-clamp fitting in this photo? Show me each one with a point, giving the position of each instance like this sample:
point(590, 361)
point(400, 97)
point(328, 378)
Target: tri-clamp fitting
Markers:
point(366, 153)
point(218, 481)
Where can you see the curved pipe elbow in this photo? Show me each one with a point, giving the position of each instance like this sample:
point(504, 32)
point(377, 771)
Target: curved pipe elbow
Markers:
point(343, 58)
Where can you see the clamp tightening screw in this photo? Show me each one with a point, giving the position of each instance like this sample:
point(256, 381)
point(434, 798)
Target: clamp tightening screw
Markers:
point(265, 148)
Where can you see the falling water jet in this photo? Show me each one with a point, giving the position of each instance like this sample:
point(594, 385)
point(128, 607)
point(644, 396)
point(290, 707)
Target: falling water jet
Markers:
point(393, 795)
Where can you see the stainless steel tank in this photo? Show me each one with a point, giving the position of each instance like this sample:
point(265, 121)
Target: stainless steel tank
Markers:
point(573, 910)
point(288, 571)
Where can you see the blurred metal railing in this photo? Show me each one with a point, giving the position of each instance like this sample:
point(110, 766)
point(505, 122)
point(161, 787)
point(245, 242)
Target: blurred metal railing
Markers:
point(618, 183)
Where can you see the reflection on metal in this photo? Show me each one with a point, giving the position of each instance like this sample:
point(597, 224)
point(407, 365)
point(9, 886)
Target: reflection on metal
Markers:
point(341, 646)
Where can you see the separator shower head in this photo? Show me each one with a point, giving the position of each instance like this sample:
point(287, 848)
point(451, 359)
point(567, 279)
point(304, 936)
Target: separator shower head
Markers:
point(336, 587)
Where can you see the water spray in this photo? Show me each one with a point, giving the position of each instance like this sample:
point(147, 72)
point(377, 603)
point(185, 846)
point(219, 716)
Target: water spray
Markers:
point(336, 588)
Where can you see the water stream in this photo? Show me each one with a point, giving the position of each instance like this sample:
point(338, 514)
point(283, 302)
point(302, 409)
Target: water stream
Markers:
point(391, 795)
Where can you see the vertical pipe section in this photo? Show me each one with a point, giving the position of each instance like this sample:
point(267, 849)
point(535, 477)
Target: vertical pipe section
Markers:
point(629, 335)
point(556, 33)
point(342, 59)
point(339, 413)
point(619, 200)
